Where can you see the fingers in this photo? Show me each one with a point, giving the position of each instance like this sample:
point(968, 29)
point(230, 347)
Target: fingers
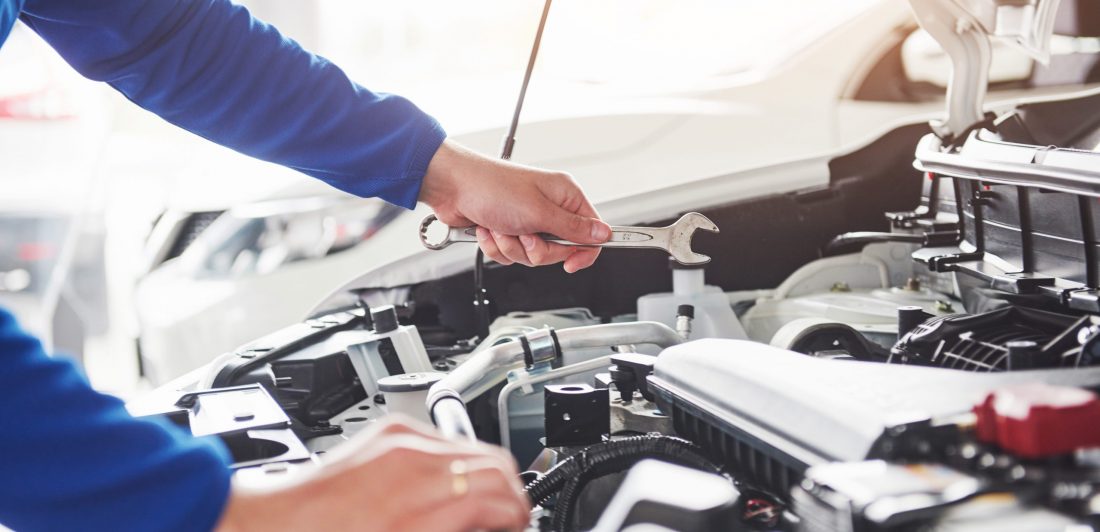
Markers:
point(512, 200)
point(531, 250)
point(570, 215)
point(575, 227)
point(580, 259)
point(430, 478)
point(534, 251)
point(493, 498)
point(400, 475)
point(391, 425)
point(461, 515)
point(396, 423)
point(511, 248)
point(488, 476)
point(489, 247)
point(540, 252)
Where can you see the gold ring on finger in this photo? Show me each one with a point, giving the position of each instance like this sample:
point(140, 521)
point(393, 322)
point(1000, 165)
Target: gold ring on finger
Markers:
point(460, 482)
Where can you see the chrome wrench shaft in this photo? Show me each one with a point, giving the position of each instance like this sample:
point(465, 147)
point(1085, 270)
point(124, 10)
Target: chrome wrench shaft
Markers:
point(675, 238)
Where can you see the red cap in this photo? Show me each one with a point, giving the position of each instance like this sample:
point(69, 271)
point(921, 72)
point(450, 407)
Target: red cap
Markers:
point(1038, 420)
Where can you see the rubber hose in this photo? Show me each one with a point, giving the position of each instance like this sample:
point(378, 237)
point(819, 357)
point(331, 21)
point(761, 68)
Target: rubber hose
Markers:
point(614, 456)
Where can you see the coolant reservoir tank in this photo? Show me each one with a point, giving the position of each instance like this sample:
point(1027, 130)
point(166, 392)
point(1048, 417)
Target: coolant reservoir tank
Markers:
point(714, 317)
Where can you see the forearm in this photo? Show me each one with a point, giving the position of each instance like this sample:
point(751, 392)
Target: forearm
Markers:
point(209, 67)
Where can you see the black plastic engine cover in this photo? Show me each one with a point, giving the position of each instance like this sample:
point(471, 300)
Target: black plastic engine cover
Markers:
point(771, 413)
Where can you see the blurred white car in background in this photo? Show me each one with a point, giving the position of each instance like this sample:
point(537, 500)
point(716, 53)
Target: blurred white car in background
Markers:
point(51, 231)
point(225, 270)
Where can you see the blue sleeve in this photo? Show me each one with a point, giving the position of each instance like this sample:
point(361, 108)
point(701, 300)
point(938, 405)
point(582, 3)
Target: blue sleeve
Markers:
point(209, 67)
point(74, 459)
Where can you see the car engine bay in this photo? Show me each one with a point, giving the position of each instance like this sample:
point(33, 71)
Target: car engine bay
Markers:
point(915, 346)
point(934, 366)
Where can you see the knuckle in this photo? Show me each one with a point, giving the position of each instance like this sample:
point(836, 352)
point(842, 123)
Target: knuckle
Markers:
point(502, 482)
point(537, 254)
point(490, 251)
point(449, 217)
point(513, 250)
point(402, 453)
point(396, 423)
point(563, 176)
point(509, 254)
point(575, 223)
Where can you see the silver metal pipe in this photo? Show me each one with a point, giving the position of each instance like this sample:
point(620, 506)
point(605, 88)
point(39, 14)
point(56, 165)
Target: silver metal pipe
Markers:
point(450, 416)
point(627, 333)
point(488, 368)
point(479, 373)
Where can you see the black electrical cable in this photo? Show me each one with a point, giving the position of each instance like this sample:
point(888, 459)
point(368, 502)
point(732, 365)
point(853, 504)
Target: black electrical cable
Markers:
point(568, 478)
point(565, 509)
point(481, 295)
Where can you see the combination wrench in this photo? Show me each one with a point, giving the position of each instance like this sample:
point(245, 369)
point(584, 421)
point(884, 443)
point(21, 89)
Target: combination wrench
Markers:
point(674, 239)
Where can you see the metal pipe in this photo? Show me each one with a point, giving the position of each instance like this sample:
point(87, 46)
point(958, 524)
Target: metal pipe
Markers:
point(450, 416)
point(488, 368)
point(480, 372)
point(629, 333)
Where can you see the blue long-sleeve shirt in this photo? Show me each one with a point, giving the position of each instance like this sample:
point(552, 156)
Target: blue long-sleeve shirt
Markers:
point(74, 459)
point(71, 458)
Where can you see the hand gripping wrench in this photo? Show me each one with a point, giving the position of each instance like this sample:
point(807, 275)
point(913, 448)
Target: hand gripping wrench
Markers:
point(675, 239)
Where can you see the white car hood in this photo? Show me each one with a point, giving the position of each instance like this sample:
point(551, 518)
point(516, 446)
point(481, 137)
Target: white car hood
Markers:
point(597, 144)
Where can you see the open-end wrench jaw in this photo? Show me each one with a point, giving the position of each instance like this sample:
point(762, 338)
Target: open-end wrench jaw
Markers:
point(674, 239)
point(680, 234)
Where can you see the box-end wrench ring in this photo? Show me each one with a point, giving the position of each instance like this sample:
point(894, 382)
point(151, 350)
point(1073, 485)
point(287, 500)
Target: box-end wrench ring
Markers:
point(675, 238)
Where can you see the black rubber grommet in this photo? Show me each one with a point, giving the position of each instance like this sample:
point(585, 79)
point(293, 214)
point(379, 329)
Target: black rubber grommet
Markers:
point(528, 356)
point(557, 344)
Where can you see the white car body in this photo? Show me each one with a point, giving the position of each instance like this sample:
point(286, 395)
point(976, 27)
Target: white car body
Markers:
point(678, 148)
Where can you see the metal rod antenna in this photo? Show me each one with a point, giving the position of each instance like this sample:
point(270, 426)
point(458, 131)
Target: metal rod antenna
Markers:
point(481, 295)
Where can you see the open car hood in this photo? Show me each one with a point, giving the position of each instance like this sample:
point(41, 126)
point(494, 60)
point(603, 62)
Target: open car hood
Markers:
point(963, 27)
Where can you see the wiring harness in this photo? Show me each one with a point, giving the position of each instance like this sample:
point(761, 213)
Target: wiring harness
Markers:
point(568, 479)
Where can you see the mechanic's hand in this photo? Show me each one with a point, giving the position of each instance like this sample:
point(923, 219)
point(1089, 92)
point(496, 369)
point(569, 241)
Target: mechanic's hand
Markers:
point(511, 203)
point(395, 476)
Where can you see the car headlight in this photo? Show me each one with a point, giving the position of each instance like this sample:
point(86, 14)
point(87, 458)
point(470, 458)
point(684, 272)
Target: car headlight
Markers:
point(259, 238)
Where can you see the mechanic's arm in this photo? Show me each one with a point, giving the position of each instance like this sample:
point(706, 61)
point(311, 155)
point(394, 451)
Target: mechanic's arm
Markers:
point(74, 459)
point(209, 67)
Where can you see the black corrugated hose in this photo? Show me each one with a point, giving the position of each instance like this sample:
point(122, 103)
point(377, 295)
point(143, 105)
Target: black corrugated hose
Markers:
point(569, 478)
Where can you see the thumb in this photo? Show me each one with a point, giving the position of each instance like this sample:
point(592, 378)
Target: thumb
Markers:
point(576, 227)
